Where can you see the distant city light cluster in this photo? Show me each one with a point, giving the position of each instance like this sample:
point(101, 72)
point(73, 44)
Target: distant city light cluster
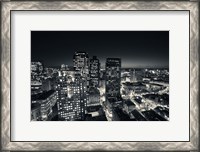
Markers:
point(86, 91)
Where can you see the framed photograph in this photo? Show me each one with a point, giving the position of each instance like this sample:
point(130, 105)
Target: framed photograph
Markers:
point(110, 75)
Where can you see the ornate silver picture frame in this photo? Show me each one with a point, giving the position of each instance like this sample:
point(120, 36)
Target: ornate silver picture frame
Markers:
point(8, 145)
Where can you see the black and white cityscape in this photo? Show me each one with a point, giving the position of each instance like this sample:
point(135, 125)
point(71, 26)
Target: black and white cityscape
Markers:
point(99, 76)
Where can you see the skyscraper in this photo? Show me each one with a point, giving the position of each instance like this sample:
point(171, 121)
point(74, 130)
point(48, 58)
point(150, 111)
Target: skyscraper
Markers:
point(93, 97)
point(113, 78)
point(80, 96)
point(81, 63)
point(73, 96)
point(94, 74)
point(62, 95)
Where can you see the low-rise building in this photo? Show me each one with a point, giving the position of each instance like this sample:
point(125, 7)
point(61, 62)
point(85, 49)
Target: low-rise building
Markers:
point(46, 100)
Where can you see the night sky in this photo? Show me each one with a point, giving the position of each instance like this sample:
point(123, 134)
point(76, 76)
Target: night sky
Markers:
point(135, 48)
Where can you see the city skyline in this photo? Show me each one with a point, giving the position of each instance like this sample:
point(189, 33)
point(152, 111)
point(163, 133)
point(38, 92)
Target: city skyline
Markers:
point(135, 48)
point(100, 76)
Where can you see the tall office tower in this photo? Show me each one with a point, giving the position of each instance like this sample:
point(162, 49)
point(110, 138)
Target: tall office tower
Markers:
point(81, 63)
point(73, 96)
point(79, 96)
point(113, 79)
point(94, 74)
point(133, 77)
point(62, 95)
point(93, 97)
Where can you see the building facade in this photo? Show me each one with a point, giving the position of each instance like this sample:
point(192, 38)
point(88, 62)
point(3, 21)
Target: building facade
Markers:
point(113, 78)
point(46, 101)
point(94, 70)
point(73, 96)
point(93, 97)
point(81, 63)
